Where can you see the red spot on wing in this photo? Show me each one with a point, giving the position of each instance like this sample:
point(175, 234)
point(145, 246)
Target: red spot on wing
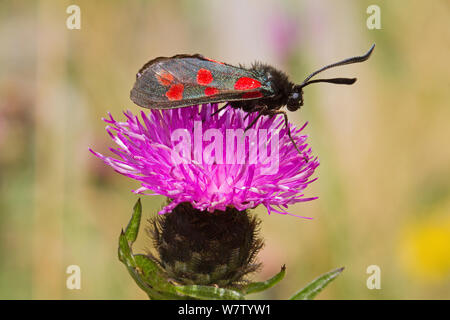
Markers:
point(164, 78)
point(210, 91)
point(246, 83)
point(175, 92)
point(252, 95)
point(204, 77)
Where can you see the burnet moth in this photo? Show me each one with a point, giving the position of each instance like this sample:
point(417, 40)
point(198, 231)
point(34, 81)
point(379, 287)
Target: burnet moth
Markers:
point(185, 80)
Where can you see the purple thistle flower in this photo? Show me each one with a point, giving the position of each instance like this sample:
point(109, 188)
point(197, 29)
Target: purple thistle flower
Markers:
point(214, 173)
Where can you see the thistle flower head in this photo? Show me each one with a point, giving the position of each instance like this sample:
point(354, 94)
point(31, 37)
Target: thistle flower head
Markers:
point(210, 160)
point(203, 248)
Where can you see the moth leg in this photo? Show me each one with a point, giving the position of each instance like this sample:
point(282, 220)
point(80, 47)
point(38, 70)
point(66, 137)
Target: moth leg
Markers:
point(262, 111)
point(253, 122)
point(220, 109)
point(256, 109)
point(286, 123)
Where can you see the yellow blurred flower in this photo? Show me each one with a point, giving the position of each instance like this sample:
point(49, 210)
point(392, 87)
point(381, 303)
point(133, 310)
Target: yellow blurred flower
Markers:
point(425, 247)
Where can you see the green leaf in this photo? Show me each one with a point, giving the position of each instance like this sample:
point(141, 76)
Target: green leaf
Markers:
point(152, 279)
point(152, 294)
point(209, 293)
point(126, 256)
point(145, 272)
point(264, 285)
point(131, 232)
point(151, 273)
point(314, 287)
point(125, 253)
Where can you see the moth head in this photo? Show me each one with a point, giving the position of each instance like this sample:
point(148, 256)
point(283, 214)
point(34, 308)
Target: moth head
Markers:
point(295, 99)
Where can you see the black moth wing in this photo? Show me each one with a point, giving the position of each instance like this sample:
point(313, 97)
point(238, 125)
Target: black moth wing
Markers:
point(166, 83)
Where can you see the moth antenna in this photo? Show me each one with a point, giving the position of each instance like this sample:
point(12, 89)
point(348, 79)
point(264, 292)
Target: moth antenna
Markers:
point(337, 64)
point(346, 81)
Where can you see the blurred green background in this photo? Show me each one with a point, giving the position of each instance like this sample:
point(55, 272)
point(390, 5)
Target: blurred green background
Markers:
point(384, 178)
